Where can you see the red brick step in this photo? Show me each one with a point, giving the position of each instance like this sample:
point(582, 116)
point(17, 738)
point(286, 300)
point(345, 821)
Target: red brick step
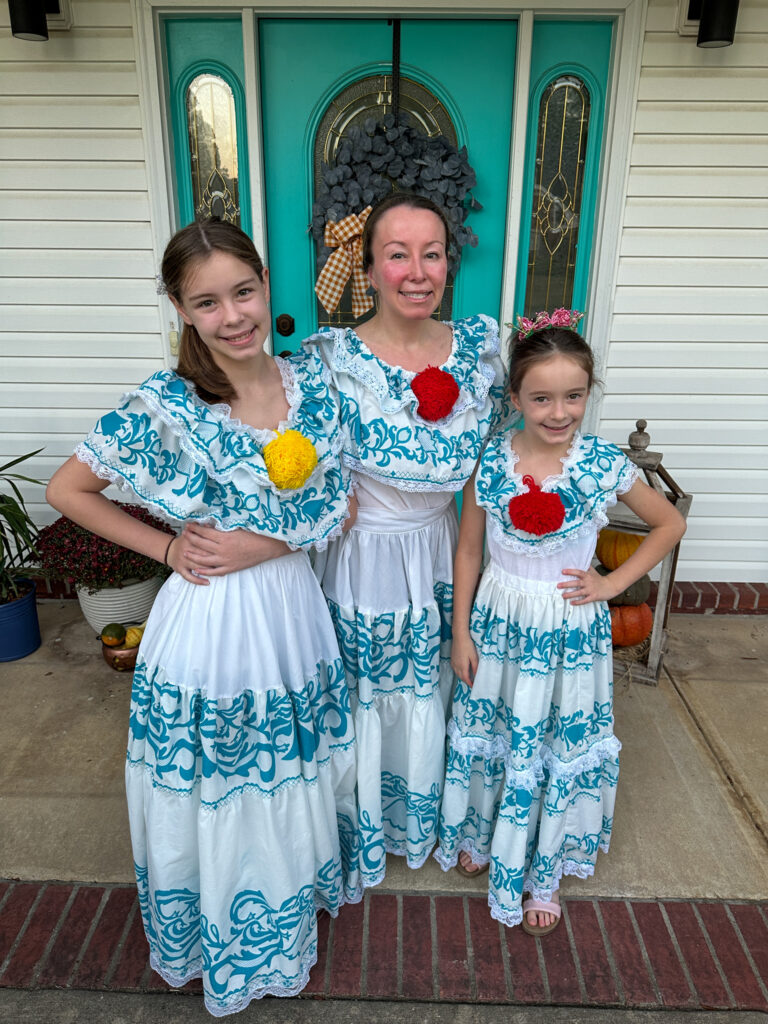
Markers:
point(683, 954)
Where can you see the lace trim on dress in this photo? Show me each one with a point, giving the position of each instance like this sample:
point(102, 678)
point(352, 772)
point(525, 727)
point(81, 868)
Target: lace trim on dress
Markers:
point(413, 486)
point(400, 850)
point(391, 385)
point(568, 461)
point(181, 427)
point(628, 480)
point(579, 868)
point(222, 411)
point(498, 749)
point(596, 505)
point(200, 456)
point(499, 912)
point(465, 846)
point(178, 979)
point(180, 422)
point(544, 546)
point(568, 867)
point(334, 534)
point(508, 917)
point(84, 454)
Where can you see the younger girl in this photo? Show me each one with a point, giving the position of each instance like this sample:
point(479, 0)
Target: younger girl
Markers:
point(241, 762)
point(532, 760)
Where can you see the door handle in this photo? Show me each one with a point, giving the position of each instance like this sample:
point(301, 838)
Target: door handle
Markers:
point(285, 324)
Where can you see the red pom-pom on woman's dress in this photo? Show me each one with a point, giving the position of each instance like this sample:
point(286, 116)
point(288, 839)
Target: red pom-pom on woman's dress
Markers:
point(436, 391)
point(537, 511)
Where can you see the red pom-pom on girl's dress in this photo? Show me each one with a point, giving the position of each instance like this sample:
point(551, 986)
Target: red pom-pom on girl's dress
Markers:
point(436, 391)
point(536, 511)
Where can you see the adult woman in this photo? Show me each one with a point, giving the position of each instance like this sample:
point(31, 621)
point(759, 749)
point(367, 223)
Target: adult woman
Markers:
point(412, 434)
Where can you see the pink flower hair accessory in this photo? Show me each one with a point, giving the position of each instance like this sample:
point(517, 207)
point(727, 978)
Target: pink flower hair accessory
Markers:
point(565, 318)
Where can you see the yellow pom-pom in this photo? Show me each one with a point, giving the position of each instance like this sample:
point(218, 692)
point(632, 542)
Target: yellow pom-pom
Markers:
point(290, 459)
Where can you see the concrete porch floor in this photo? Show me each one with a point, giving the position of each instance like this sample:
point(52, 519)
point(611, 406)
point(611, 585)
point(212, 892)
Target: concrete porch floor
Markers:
point(692, 807)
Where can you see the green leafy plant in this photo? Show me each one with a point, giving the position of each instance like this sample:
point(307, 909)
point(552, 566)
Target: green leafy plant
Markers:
point(70, 552)
point(18, 533)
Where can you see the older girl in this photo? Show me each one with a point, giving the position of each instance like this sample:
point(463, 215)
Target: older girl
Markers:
point(241, 763)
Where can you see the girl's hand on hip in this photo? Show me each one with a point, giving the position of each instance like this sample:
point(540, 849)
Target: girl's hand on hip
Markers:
point(464, 659)
point(213, 552)
point(586, 586)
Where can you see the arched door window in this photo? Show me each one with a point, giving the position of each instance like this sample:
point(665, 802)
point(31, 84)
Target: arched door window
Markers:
point(212, 132)
point(561, 149)
point(372, 97)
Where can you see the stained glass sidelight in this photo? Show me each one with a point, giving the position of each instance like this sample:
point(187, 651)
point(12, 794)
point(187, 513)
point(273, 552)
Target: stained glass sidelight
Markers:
point(212, 128)
point(557, 192)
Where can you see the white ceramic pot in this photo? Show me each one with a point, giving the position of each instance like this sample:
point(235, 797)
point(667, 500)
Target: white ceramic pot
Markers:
point(130, 603)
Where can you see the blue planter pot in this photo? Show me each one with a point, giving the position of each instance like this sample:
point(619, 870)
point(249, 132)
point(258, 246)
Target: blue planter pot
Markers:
point(19, 628)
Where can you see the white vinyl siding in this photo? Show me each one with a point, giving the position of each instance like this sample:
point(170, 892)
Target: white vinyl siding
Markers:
point(81, 321)
point(79, 316)
point(688, 348)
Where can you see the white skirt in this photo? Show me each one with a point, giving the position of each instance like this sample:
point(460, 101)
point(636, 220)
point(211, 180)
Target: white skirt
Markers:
point(240, 777)
point(388, 582)
point(532, 761)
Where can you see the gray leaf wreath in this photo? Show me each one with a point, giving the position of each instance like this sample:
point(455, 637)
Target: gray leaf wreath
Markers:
point(384, 156)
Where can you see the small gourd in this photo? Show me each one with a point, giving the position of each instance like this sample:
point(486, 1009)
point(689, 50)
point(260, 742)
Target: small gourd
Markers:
point(630, 624)
point(614, 547)
point(113, 635)
point(133, 635)
point(636, 593)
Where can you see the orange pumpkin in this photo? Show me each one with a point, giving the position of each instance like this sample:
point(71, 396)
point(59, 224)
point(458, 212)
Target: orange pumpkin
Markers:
point(614, 547)
point(630, 624)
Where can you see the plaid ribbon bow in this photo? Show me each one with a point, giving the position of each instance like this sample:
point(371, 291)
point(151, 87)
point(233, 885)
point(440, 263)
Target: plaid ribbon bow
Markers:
point(346, 237)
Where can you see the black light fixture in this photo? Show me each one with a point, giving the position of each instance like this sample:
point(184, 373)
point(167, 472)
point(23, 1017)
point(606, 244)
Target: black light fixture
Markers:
point(28, 20)
point(717, 24)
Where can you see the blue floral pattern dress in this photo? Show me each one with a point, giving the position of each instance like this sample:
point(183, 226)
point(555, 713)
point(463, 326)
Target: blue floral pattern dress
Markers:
point(388, 580)
point(532, 760)
point(240, 769)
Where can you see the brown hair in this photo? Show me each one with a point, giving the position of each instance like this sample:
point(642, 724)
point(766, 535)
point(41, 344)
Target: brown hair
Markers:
point(188, 247)
point(412, 201)
point(544, 344)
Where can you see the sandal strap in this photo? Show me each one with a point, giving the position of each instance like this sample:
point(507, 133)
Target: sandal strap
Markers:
point(542, 906)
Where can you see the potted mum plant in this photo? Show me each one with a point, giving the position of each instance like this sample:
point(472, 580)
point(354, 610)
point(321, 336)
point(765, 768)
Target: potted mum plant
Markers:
point(19, 627)
point(113, 583)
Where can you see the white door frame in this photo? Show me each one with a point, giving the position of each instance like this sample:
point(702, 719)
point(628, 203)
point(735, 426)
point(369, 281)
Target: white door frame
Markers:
point(621, 101)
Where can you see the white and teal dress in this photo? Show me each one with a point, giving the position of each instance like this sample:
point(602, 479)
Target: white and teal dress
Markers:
point(532, 760)
point(388, 580)
point(240, 769)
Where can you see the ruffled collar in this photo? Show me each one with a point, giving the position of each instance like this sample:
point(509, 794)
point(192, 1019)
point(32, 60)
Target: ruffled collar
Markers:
point(594, 472)
point(475, 341)
point(222, 442)
point(222, 411)
point(551, 482)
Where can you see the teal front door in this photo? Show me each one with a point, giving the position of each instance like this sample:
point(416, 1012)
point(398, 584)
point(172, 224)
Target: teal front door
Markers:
point(319, 74)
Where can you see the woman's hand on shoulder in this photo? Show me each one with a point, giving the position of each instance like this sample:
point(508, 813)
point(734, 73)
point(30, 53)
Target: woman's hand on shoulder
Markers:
point(205, 551)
